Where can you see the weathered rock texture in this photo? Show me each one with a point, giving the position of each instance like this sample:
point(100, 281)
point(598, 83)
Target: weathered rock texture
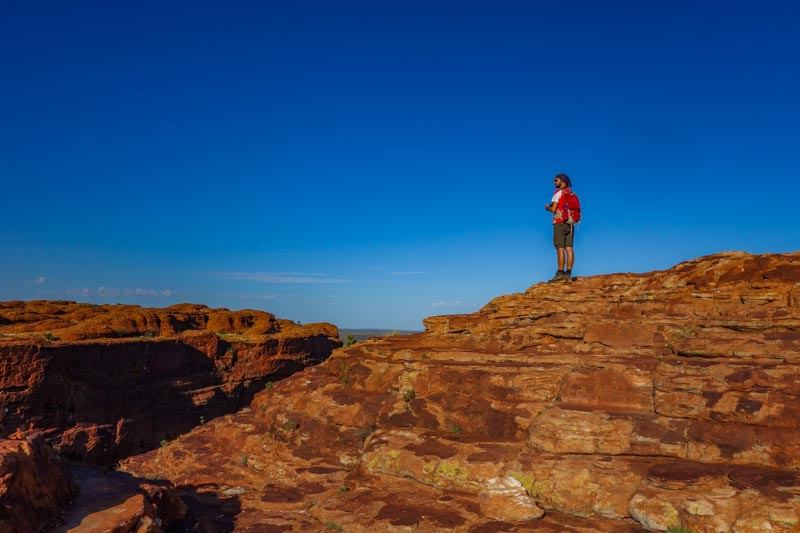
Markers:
point(37, 493)
point(35, 485)
point(615, 403)
point(105, 382)
point(115, 502)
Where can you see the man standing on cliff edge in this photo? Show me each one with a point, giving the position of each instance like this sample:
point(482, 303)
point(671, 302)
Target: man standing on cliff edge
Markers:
point(563, 231)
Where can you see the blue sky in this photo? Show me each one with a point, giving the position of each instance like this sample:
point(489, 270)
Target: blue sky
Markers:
point(373, 163)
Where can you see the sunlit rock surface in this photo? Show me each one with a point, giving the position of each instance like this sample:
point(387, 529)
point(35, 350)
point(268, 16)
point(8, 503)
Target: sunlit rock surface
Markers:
point(619, 402)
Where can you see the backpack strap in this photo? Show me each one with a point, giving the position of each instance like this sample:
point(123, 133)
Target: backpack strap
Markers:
point(562, 201)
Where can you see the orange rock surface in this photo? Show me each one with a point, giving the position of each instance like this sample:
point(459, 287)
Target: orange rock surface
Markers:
point(623, 402)
point(107, 381)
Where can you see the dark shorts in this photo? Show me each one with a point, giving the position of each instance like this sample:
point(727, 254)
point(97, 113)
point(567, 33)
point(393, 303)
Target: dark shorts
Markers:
point(563, 235)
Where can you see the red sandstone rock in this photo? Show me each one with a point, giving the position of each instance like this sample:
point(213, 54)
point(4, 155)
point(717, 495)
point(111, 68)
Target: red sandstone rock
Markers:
point(34, 485)
point(104, 382)
point(614, 403)
point(110, 501)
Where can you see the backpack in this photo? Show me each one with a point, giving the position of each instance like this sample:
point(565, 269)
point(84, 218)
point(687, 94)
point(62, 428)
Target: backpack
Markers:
point(569, 207)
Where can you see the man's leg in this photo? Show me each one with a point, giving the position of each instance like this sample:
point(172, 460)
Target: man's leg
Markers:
point(569, 252)
point(559, 236)
point(561, 255)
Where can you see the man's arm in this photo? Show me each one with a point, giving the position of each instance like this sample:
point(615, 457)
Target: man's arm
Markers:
point(553, 206)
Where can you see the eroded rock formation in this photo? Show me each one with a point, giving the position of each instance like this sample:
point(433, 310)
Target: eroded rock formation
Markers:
point(35, 485)
point(615, 403)
point(105, 382)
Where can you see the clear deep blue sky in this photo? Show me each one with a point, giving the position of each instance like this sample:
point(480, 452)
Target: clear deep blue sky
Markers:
point(372, 163)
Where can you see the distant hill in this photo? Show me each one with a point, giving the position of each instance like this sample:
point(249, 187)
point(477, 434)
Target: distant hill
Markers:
point(364, 334)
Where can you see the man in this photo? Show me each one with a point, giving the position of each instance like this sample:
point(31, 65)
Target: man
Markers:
point(563, 232)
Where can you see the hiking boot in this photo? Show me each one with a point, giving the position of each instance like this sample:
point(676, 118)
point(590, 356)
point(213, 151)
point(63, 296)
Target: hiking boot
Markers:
point(568, 275)
point(558, 277)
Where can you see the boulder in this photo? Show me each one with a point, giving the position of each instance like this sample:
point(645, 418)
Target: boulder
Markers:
point(35, 485)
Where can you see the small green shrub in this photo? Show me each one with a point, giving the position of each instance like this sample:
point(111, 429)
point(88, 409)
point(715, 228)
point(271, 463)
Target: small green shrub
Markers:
point(342, 490)
point(269, 385)
point(349, 341)
point(363, 433)
point(163, 443)
point(409, 395)
point(687, 329)
point(333, 525)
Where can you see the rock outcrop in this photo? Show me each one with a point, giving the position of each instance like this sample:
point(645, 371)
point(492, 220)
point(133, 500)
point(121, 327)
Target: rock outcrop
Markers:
point(621, 402)
point(35, 485)
point(105, 382)
point(115, 502)
point(39, 491)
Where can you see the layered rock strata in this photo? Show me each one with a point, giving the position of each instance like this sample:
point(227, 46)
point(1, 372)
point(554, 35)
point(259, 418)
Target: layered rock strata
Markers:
point(623, 402)
point(105, 382)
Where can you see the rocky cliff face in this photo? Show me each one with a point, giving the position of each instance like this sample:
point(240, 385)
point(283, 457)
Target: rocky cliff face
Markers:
point(105, 382)
point(615, 403)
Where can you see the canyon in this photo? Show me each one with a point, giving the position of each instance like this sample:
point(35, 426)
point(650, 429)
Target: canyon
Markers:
point(101, 383)
point(667, 400)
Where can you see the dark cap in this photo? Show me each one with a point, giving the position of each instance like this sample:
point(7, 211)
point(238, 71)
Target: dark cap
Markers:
point(565, 179)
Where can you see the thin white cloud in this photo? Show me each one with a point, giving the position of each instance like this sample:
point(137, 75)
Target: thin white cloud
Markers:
point(37, 281)
point(149, 292)
point(276, 277)
point(114, 291)
point(407, 273)
point(443, 304)
point(105, 291)
point(257, 296)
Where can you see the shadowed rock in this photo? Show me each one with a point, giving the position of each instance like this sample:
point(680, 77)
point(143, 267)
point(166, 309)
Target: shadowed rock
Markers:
point(105, 382)
point(35, 485)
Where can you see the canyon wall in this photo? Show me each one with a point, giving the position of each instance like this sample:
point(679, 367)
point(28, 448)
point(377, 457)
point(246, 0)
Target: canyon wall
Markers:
point(104, 382)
